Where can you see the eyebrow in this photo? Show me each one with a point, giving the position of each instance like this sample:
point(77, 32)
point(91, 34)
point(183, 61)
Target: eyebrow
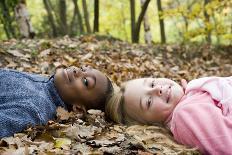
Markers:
point(144, 81)
point(140, 99)
point(94, 79)
point(140, 103)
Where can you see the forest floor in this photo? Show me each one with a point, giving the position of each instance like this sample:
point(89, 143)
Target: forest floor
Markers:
point(121, 61)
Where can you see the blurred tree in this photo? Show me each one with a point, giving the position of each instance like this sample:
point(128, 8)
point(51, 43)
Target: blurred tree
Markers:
point(132, 12)
point(79, 22)
point(6, 7)
point(185, 20)
point(146, 25)
point(136, 25)
point(161, 22)
point(96, 16)
point(207, 21)
point(184, 13)
point(22, 17)
point(51, 20)
point(62, 16)
point(86, 16)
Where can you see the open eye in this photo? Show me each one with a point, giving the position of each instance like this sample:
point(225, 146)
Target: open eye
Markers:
point(148, 103)
point(85, 82)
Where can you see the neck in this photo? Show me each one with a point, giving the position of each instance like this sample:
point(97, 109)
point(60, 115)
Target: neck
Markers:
point(168, 120)
point(53, 92)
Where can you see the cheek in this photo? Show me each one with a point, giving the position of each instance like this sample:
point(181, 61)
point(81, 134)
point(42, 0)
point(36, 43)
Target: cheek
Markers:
point(77, 86)
point(159, 106)
point(177, 94)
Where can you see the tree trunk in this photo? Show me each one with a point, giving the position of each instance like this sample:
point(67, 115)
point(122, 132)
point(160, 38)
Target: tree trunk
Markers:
point(6, 19)
point(161, 22)
point(22, 17)
point(73, 23)
point(182, 32)
point(132, 12)
point(207, 20)
point(86, 16)
point(146, 25)
point(8, 35)
point(77, 10)
point(215, 28)
point(50, 17)
point(96, 16)
point(138, 23)
point(63, 19)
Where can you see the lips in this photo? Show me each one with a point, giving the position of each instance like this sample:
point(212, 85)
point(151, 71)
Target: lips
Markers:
point(66, 75)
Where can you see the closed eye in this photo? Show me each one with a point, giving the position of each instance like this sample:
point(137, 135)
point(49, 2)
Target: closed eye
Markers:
point(148, 103)
point(153, 84)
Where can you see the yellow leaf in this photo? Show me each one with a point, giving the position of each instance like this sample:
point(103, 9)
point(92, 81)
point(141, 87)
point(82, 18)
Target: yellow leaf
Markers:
point(62, 143)
point(196, 8)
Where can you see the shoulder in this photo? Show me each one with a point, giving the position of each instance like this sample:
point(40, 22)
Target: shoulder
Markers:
point(15, 74)
point(191, 114)
point(201, 124)
point(20, 109)
point(31, 110)
point(197, 108)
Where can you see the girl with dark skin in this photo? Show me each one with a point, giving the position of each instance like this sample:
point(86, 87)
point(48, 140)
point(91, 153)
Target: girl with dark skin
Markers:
point(32, 99)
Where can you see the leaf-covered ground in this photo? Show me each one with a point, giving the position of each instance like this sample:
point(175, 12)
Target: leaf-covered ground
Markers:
point(70, 134)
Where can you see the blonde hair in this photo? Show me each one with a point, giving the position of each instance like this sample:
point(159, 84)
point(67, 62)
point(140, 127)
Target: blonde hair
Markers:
point(114, 108)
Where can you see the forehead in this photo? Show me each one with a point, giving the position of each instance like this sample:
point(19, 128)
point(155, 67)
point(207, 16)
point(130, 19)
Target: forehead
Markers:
point(100, 87)
point(99, 76)
point(133, 90)
point(137, 83)
point(98, 91)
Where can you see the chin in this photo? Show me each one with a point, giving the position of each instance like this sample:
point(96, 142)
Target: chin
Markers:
point(178, 97)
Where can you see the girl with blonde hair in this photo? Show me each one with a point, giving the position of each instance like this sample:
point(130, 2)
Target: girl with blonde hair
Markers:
point(198, 113)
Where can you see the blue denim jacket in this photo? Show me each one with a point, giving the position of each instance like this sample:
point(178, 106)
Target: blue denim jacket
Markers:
point(25, 99)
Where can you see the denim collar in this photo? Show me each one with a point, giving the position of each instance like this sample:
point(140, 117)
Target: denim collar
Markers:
point(53, 94)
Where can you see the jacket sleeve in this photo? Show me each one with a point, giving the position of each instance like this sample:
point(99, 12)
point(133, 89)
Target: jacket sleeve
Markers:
point(17, 117)
point(204, 128)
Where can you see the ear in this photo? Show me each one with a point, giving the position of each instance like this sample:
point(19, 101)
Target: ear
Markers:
point(80, 109)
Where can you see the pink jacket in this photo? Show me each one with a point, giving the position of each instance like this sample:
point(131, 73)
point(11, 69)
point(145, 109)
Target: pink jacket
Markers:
point(203, 118)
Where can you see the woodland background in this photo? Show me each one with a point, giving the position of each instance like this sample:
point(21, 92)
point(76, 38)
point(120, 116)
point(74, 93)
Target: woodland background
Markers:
point(145, 21)
point(125, 39)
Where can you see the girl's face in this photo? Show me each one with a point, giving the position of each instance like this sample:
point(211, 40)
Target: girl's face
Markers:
point(151, 100)
point(82, 86)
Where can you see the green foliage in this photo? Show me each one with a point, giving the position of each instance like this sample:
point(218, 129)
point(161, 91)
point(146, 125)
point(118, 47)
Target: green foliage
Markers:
point(213, 18)
point(7, 21)
point(185, 20)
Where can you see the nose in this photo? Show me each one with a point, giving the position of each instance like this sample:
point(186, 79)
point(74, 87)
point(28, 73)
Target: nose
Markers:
point(157, 90)
point(78, 71)
point(75, 71)
point(86, 68)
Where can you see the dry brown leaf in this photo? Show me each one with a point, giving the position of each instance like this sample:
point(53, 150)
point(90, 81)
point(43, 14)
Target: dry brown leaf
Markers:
point(63, 114)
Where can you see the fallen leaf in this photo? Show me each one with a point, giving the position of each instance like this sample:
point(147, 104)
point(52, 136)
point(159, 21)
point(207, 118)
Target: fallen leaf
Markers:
point(63, 114)
point(63, 143)
point(15, 53)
